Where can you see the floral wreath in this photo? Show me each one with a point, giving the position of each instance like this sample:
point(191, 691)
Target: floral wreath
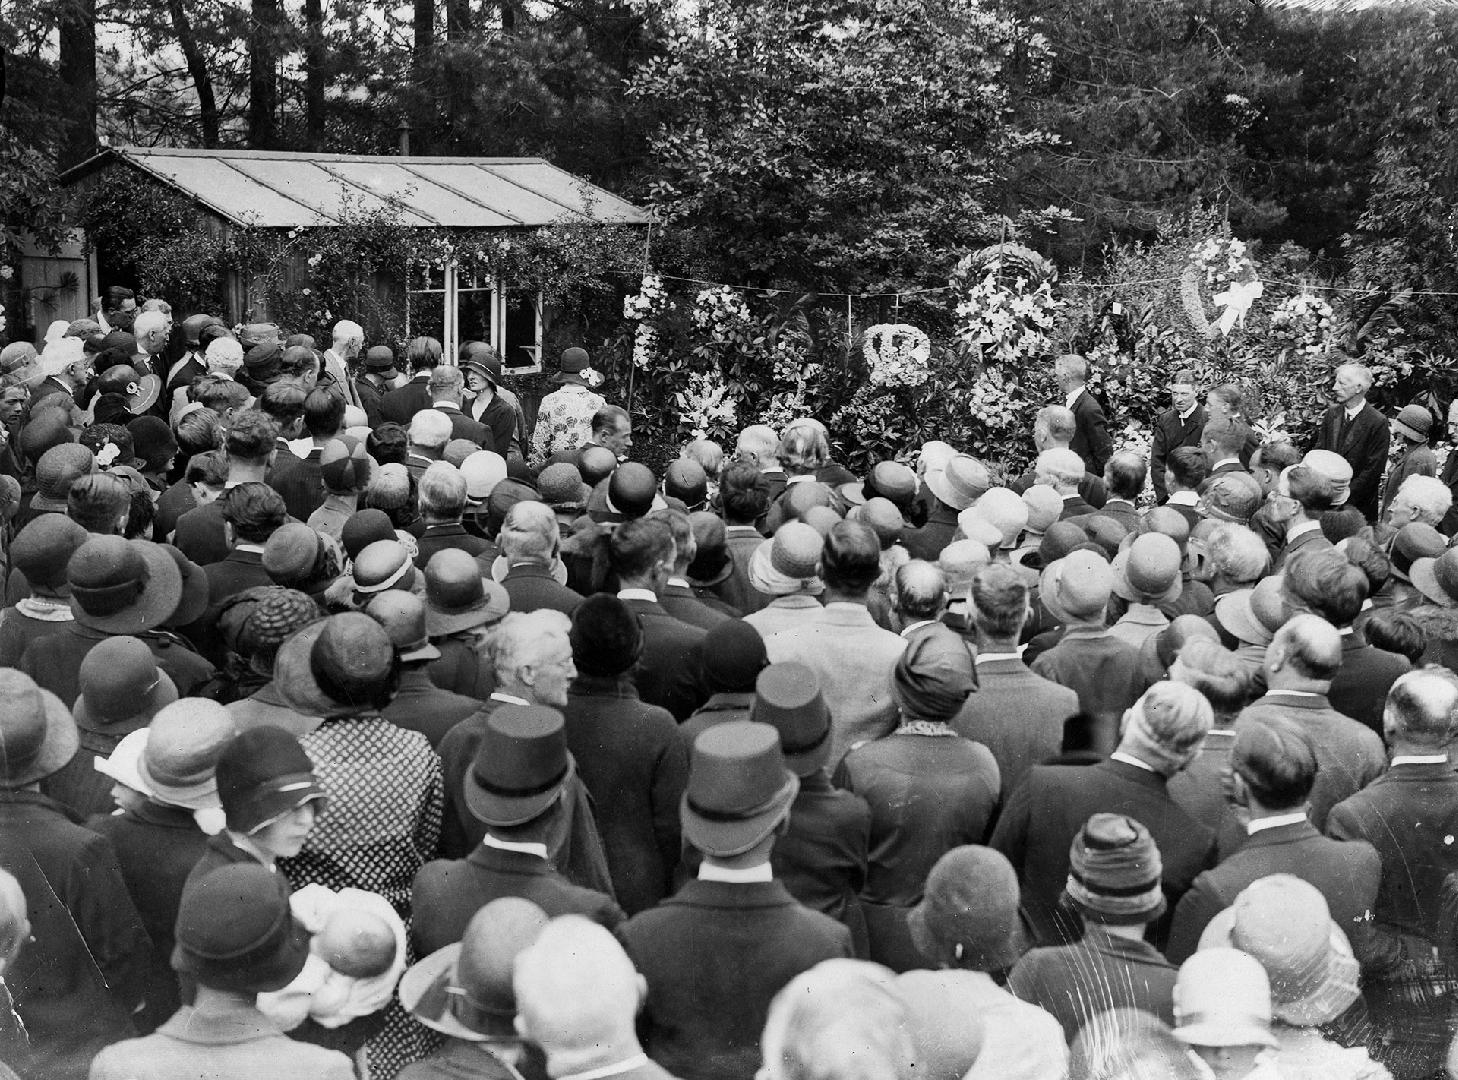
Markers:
point(1222, 264)
point(897, 354)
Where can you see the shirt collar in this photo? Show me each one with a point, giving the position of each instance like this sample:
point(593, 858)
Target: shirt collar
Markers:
point(1224, 461)
point(1073, 396)
point(510, 699)
point(681, 582)
point(1301, 530)
point(990, 657)
point(1274, 822)
point(1420, 759)
point(1185, 416)
point(637, 1061)
point(1296, 693)
point(1351, 412)
point(525, 848)
point(638, 594)
point(916, 626)
point(1130, 759)
point(258, 548)
point(746, 876)
point(1183, 498)
point(448, 406)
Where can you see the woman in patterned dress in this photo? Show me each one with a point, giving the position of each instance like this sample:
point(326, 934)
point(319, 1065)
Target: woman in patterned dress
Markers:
point(564, 420)
point(384, 784)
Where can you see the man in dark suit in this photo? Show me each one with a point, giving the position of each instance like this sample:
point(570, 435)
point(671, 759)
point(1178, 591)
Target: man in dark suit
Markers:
point(1053, 429)
point(1163, 734)
point(442, 498)
point(191, 365)
point(717, 952)
point(1179, 425)
point(642, 556)
point(1062, 470)
point(251, 446)
point(447, 389)
point(1091, 440)
point(376, 378)
point(302, 483)
point(1359, 433)
point(1017, 715)
point(1184, 472)
point(1123, 480)
point(251, 514)
point(1301, 496)
point(528, 541)
point(1410, 815)
point(678, 597)
point(514, 787)
point(400, 406)
point(1274, 765)
point(1223, 440)
point(418, 705)
point(1326, 584)
point(629, 754)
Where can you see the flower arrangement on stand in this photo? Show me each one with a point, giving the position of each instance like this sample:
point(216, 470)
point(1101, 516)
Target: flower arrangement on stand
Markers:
point(1303, 324)
point(896, 354)
point(1223, 267)
point(707, 408)
point(644, 308)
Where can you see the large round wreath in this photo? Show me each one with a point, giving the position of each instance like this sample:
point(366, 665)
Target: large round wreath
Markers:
point(897, 354)
point(1226, 270)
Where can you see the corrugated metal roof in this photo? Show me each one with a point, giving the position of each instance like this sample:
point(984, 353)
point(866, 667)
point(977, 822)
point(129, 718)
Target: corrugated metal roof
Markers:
point(1346, 7)
point(284, 190)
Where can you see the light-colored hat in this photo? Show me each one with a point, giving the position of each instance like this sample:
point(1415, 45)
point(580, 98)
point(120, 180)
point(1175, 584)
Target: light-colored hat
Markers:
point(123, 765)
point(975, 526)
point(960, 482)
point(1148, 570)
point(960, 560)
point(1223, 998)
point(1336, 469)
point(1253, 615)
point(789, 563)
point(1045, 506)
point(1077, 586)
point(483, 470)
point(1006, 510)
point(1285, 923)
point(180, 761)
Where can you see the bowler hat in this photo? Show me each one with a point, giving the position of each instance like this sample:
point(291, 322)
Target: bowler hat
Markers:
point(465, 990)
point(292, 554)
point(1077, 586)
point(37, 734)
point(122, 687)
point(506, 494)
point(1104, 532)
point(235, 930)
point(881, 515)
point(123, 586)
point(42, 549)
point(184, 741)
point(402, 614)
point(712, 564)
point(521, 767)
point(1415, 540)
point(385, 564)
point(1222, 997)
point(59, 468)
point(1114, 872)
point(686, 480)
point(483, 470)
point(364, 528)
point(968, 914)
point(788, 563)
point(606, 637)
point(456, 597)
point(1059, 539)
point(573, 363)
point(561, 487)
point(892, 481)
point(379, 359)
point(787, 697)
point(1284, 922)
point(1148, 570)
point(1253, 615)
point(733, 657)
point(739, 788)
point(960, 483)
point(631, 489)
point(1414, 422)
point(339, 666)
point(262, 774)
point(1437, 579)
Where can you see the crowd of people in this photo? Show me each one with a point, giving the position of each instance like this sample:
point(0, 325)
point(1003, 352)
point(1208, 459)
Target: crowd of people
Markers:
point(353, 725)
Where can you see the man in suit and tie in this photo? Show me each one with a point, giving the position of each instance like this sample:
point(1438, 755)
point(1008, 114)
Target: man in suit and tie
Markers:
point(1301, 496)
point(447, 388)
point(1179, 425)
point(1063, 471)
point(1274, 767)
point(1016, 714)
point(1091, 440)
point(1162, 734)
point(1223, 440)
point(528, 541)
point(1410, 815)
point(1124, 480)
point(400, 406)
point(1354, 429)
point(192, 365)
point(1053, 429)
point(717, 952)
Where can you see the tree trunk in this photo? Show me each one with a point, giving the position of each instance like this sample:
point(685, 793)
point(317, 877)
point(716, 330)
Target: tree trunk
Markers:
point(424, 29)
point(263, 74)
point(197, 68)
point(314, 58)
point(78, 73)
point(508, 16)
point(458, 19)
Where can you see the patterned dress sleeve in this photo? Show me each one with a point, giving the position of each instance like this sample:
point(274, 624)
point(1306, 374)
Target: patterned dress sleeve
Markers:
point(431, 809)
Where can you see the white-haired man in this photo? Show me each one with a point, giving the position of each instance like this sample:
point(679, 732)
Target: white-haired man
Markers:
point(1062, 470)
point(67, 368)
point(1091, 440)
point(152, 329)
point(529, 541)
point(1420, 498)
point(348, 340)
point(430, 430)
point(1354, 429)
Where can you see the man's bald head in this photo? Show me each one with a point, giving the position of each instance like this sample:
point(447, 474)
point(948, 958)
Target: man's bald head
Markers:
point(921, 591)
point(1420, 709)
point(576, 989)
point(1053, 426)
point(1307, 647)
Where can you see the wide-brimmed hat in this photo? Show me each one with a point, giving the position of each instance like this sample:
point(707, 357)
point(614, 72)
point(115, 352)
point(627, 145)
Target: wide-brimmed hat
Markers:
point(379, 359)
point(1253, 615)
point(37, 734)
point(789, 563)
point(1437, 579)
point(1415, 540)
point(456, 596)
point(235, 930)
point(1114, 872)
point(1148, 570)
point(140, 391)
point(1414, 422)
point(739, 788)
point(122, 687)
point(42, 550)
point(521, 766)
point(262, 774)
point(483, 470)
point(570, 367)
point(959, 483)
point(969, 911)
point(123, 764)
point(465, 990)
point(339, 666)
point(55, 472)
point(195, 590)
point(974, 525)
point(787, 697)
point(1285, 923)
point(184, 741)
point(123, 586)
point(1222, 997)
point(402, 614)
point(1077, 586)
point(1005, 510)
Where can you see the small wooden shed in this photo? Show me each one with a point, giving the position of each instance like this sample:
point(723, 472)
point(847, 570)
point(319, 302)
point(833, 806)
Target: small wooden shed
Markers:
point(287, 191)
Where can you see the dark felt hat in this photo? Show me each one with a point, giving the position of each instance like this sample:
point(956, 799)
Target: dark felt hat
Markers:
point(379, 359)
point(521, 767)
point(123, 586)
point(787, 697)
point(46, 428)
point(37, 734)
point(456, 596)
point(573, 363)
point(262, 774)
point(121, 687)
point(339, 666)
point(687, 480)
point(59, 468)
point(235, 930)
point(739, 788)
point(606, 637)
point(733, 656)
point(630, 490)
point(968, 914)
point(364, 528)
point(712, 563)
point(43, 548)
